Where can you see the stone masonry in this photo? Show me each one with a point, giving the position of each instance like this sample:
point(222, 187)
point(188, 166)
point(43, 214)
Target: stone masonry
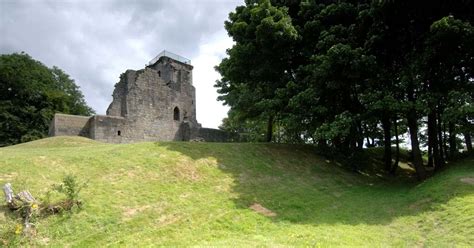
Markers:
point(157, 103)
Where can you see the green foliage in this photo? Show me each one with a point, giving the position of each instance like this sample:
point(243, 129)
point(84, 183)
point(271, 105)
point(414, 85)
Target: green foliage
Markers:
point(339, 128)
point(260, 61)
point(30, 94)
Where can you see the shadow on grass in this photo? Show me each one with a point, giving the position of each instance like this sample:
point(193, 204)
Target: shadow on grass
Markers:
point(7, 213)
point(301, 187)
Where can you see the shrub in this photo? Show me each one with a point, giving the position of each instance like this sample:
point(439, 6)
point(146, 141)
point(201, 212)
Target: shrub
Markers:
point(71, 188)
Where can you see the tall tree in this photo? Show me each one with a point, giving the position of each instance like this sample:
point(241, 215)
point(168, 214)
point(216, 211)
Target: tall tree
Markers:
point(260, 61)
point(446, 66)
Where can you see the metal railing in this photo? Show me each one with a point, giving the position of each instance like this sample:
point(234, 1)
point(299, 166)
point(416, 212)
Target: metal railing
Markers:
point(171, 55)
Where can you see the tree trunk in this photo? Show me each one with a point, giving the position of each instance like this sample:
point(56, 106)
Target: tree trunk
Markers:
point(8, 191)
point(387, 155)
point(315, 142)
point(452, 140)
point(415, 145)
point(440, 144)
point(393, 171)
point(433, 141)
point(353, 137)
point(360, 136)
point(431, 134)
point(467, 139)
point(24, 201)
point(270, 129)
point(322, 143)
point(445, 142)
point(430, 155)
point(467, 136)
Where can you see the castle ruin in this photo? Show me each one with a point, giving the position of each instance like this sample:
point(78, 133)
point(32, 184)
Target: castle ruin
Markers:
point(157, 103)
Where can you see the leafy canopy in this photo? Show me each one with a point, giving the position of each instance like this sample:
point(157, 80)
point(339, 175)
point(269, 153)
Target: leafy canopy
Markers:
point(30, 95)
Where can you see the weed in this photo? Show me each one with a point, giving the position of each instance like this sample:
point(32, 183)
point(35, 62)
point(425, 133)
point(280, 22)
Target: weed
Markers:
point(70, 188)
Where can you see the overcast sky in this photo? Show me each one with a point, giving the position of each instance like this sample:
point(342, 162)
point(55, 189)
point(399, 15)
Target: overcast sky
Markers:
point(95, 41)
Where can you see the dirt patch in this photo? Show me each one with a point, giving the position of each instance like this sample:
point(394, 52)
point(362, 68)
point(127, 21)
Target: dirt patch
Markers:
point(208, 162)
point(130, 212)
point(44, 241)
point(8, 176)
point(468, 180)
point(186, 170)
point(165, 220)
point(46, 161)
point(262, 210)
point(420, 203)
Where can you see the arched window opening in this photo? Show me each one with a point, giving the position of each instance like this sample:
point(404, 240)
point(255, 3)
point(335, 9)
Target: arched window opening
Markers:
point(119, 133)
point(176, 114)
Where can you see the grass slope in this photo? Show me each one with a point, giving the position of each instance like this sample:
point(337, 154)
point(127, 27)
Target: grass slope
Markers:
point(175, 193)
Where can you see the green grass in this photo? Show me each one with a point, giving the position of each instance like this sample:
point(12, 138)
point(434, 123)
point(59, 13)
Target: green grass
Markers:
point(176, 193)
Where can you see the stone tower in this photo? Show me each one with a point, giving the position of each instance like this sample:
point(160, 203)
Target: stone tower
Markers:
point(157, 103)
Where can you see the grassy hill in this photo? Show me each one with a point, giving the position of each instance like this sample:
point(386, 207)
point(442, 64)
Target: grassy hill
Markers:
point(173, 193)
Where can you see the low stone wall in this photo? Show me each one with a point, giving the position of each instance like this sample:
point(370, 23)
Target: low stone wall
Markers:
point(70, 125)
point(117, 129)
point(111, 129)
point(214, 135)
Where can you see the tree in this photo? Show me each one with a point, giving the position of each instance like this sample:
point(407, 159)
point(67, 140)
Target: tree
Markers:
point(260, 61)
point(338, 77)
point(446, 66)
point(355, 70)
point(399, 38)
point(30, 94)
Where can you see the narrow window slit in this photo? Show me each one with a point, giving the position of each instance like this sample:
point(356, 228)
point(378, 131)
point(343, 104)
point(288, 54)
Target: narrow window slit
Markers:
point(176, 114)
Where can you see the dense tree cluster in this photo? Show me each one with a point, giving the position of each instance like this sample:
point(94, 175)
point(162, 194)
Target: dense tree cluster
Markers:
point(347, 74)
point(30, 95)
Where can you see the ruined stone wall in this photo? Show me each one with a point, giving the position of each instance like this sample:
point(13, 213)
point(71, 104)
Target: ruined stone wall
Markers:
point(147, 99)
point(118, 107)
point(70, 125)
point(178, 77)
point(213, 135)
